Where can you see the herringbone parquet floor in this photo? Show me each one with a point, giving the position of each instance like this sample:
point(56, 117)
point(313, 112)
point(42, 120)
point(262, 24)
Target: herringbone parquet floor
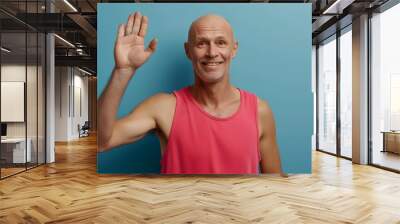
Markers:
point(70, 191)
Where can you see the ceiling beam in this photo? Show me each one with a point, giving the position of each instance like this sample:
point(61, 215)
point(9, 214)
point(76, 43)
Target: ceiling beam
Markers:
point(83, 61)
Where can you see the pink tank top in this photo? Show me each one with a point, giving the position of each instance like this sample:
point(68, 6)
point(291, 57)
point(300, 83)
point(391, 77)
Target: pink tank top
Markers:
point(200, 143)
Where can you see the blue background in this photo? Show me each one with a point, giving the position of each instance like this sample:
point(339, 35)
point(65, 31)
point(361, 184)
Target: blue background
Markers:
point(273, 61)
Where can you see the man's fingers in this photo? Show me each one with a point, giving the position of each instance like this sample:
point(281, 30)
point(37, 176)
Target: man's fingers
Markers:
point(136, 23)
point(121, 30)
point(129, 25)
point(143, 26)
point(152, 46)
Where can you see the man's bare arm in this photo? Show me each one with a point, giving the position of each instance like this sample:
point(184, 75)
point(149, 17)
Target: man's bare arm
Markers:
point(270, 158)
point(129, 54)
point(139, 122)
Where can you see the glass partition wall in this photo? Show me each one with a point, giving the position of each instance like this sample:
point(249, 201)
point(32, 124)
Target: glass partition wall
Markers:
point(385, 89)
point(345, 61)
point(22, 77)
point(327, 95)
point(334, 86)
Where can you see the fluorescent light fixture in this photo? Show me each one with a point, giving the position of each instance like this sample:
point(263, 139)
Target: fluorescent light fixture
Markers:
point(84, 71)
point(64, 40)
point(5, 50)
point(338, 6)
point(329, 9)
point(70, 5)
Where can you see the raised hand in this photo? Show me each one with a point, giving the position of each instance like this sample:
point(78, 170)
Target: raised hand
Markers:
point(129, 51)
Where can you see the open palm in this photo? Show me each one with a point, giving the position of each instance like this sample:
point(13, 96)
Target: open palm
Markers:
point(129, 49)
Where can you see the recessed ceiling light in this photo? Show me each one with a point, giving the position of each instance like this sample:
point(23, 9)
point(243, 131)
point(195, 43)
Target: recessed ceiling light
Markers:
point(84, 71)
point(337, 7)
point(64, 40)
point(5, 50)
point(70, 5)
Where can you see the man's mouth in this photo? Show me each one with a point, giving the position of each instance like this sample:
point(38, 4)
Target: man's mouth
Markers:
point(211, 63)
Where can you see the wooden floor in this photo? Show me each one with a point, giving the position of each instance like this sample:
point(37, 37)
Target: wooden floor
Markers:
point(5, 172)
point(387, 159)
point(70, 191)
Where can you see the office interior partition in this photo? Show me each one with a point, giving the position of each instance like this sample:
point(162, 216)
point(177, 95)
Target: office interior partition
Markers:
point(22, 76)
point(334, 86)
point(385, 88)
point(334, 72)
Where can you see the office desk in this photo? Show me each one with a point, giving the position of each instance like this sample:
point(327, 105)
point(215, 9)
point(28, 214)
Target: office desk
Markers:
point(13, 150)
point(391, 141)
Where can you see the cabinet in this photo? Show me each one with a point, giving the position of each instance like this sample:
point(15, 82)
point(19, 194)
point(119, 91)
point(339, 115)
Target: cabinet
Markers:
point(13, 150)
point(391, 141)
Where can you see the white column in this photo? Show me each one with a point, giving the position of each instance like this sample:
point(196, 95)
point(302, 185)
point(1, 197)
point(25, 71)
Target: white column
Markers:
point(360, 90)
point(50, 93)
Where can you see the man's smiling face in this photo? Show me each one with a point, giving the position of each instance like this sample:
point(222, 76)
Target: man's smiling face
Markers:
point(211, 47)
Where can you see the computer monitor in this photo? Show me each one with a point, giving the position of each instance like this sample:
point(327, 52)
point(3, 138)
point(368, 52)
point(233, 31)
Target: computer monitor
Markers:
point(3, 129)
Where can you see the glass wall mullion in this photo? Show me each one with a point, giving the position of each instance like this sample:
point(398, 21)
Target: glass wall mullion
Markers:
point(316, 97)
point(37, 90)
point(369, 91)
point(1, 163)
point(338, 124)
point(37, 99)
point(26, 88)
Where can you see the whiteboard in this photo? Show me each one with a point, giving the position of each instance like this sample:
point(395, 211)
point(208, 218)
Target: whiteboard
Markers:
point(12, 101)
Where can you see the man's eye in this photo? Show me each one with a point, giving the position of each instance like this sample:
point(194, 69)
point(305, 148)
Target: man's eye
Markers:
point(201, 44)
point(221, 43)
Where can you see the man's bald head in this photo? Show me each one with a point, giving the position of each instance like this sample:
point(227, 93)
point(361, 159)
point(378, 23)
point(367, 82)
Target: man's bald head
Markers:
point(209, 21)
point(211, 47)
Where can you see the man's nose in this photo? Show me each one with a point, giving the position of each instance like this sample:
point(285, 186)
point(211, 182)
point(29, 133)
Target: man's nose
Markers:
point(212, 51)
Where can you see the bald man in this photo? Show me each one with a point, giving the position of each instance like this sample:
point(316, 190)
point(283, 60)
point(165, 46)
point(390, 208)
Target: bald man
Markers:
point(210, 127)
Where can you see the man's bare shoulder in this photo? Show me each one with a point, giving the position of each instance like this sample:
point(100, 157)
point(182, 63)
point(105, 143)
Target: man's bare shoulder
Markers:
point(161, 102)
point(162, 110)
point(264, 110)
point(156, 103)
point(162, 99)
point(265, 116)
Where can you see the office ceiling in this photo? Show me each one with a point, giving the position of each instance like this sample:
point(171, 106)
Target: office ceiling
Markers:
point(76, 22)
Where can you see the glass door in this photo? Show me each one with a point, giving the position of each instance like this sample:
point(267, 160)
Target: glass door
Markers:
point(327, 95)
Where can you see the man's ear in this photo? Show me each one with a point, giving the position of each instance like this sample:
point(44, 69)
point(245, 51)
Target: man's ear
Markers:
point(186, 45)
point(235, 48)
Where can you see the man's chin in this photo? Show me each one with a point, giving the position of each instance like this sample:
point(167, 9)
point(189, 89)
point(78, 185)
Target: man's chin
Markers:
point(211, 78)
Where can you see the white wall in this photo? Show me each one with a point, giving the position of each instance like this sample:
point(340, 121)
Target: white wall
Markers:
point(61, 103)
point(16, 72)
point(33, 126)
point(71, 94)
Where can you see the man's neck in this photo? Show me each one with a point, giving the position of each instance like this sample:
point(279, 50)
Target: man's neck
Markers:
point(214, 95)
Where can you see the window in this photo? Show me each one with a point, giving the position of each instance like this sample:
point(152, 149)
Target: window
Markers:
point(346, 92)
point(385, 88)
point(327, 95)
